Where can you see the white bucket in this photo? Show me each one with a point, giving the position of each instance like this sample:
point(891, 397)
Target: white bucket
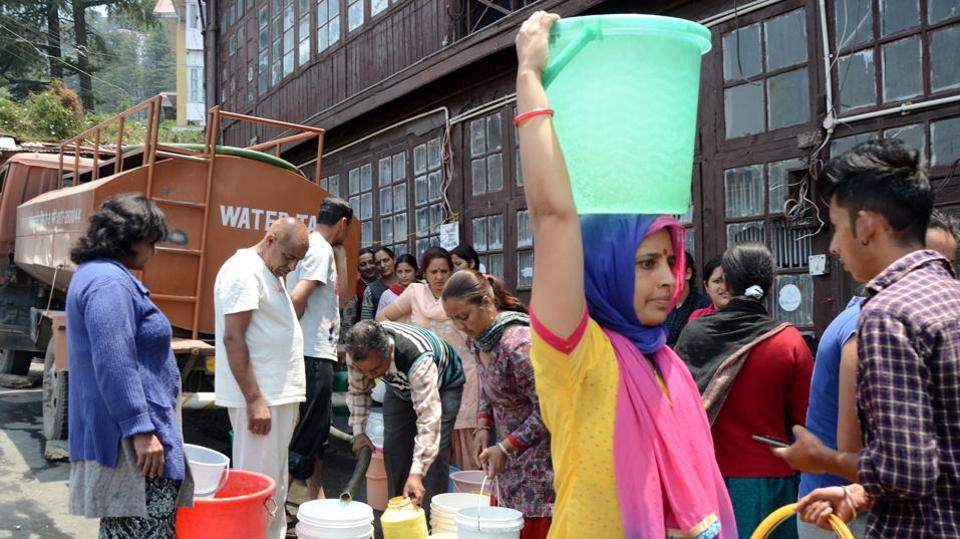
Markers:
point(451, 502)
point(489, 523)
point(334, 519)
point(210, 469)
point(447, 523)
point(309, 532)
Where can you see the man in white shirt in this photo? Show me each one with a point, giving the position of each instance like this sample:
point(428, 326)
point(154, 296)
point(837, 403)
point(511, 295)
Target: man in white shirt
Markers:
point(259, 361)
point(315, 287)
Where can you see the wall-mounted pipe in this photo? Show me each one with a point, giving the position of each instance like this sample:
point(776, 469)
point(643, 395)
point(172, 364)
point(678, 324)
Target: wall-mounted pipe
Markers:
point(899, 109)
point(446, 121)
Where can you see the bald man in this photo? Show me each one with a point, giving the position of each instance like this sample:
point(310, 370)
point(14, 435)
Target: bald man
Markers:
point(259, 362)
point(942, 235)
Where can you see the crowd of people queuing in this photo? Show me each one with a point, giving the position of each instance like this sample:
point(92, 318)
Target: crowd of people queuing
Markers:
point(621, 403)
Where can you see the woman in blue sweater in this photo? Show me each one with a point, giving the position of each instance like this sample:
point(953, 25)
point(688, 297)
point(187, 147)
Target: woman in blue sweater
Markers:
point(127, 464)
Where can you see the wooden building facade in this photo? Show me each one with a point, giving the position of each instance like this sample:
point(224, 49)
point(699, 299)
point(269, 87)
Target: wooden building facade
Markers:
point(417, 98)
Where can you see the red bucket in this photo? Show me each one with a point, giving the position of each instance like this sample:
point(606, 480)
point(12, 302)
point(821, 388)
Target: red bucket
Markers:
point(242, 508)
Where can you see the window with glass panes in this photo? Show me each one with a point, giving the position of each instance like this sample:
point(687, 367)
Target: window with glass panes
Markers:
point(263, 42)
point(766, 84)
point(360, 186)
point(427, 193)
point(518, 170)
point(303, 32)
point(690, 231)
point(328, 23)
point(378, 6)
point(938, 140)
point(894, 50)
point(331, 184)
point(354, 14)
point(392, 201)
point(251, 72)
point(486, 154)
point(289, 37)
point(757, 198)
point(276, 45)
point(524, 251)
point(486, 233)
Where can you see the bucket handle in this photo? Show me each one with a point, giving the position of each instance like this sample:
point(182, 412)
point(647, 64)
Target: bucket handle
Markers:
point(768, 524)
point(560, 61)
point(496, 483)
point(266, 505)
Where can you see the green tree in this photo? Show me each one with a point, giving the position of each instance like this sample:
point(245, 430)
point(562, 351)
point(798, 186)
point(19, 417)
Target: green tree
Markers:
point(121, 72)
point(22, 47)
point(159, 64)
point(138, 11)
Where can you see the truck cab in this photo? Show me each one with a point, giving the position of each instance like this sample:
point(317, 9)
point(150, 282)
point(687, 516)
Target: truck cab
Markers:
point(23, 299)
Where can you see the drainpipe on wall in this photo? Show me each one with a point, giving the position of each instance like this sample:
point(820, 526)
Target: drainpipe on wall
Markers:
point(210, 30)
point(182, 65)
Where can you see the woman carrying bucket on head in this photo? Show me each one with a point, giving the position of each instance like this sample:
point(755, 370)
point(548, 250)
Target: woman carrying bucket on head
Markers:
point(499, 328)
point(632, 451)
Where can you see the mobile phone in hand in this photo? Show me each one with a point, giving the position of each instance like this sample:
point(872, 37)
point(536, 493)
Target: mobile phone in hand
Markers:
point(772, 442)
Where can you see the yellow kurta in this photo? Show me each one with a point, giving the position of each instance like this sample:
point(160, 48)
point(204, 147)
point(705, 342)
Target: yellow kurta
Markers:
point(577, 381)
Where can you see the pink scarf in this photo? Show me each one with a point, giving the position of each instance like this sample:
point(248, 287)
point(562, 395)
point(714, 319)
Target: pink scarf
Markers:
point(668, 481)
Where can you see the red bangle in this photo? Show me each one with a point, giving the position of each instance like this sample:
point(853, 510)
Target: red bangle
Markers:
point(530, 114)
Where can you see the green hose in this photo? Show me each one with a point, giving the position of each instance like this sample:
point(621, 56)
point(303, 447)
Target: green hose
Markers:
point(359, 473)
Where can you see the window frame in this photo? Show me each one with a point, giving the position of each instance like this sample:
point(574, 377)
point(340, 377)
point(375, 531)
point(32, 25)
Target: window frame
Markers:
point(760, 18)
point(331, 45)
point(507, 181)
point(429, 236)
point(877, 41)
point(770, 222)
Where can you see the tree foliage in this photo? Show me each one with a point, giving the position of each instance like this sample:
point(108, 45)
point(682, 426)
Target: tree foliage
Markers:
point(124, 59)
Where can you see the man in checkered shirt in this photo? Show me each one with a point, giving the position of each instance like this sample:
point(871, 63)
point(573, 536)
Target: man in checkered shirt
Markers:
point(908, 377)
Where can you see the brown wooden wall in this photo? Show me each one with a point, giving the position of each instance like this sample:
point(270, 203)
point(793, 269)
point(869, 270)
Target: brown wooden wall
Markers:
point(406, 32)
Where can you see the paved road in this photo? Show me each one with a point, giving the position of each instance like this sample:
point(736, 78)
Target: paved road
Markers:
point(33, 491)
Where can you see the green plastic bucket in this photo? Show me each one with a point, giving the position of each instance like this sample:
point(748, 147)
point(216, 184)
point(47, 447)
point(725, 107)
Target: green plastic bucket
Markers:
point(624, 89)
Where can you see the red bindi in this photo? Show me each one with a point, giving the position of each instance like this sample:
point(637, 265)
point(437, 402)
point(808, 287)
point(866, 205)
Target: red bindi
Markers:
point(665, 252)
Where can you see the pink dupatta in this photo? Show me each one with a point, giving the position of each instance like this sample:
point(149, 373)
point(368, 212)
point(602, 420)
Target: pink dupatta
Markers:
point(668, 481)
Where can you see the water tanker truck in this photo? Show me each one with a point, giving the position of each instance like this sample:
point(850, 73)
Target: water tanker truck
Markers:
point(217, 200)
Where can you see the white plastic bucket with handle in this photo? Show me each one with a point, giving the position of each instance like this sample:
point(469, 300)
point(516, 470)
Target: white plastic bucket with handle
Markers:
point(334, 519)
point(489, 523)
point(210, 469)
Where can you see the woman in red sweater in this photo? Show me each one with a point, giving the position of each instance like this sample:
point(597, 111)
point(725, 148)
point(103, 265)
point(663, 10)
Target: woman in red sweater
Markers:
point(715, 287)
point(754, 376)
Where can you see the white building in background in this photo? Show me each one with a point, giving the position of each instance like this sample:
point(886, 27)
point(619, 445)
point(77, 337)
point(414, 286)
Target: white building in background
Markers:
point(183, 23)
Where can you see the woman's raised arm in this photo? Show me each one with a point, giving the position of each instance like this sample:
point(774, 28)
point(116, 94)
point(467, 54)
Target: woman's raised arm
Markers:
point(558, 293)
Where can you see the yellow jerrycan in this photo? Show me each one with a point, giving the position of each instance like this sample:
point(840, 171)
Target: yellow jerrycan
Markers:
point(403, 519)
point(775, 518)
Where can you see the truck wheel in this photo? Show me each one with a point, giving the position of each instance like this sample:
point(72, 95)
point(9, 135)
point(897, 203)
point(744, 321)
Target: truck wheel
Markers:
point(54, 398)
point(15, 362)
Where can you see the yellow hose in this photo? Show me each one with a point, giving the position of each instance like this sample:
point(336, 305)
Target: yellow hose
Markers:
point(775, 518)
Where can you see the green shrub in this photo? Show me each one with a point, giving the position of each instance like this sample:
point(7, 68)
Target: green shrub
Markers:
point(11, 117)
point(49, 119)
